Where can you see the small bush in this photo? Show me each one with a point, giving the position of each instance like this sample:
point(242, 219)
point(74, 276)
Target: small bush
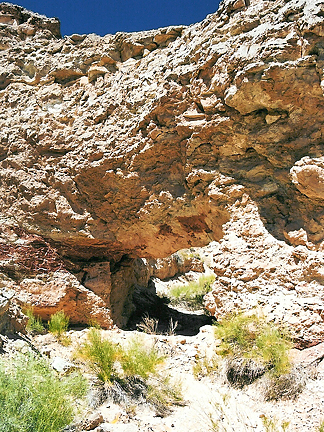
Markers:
point(131, 372)
point(93, 323)
point(171, 331)
point(101, 354)
point(105, 357)
point(272, 346)
point(34, 399)
point(140, 360)
point(193, 293)
point(34, 324)
point(58, 324)
point(253, 348)
point(237, 333)
point(148, 325)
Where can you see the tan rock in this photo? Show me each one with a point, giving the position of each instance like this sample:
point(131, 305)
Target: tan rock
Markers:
point(92, 421)
point(95, 71)
point(257, 272)
point(190, 130)
point(308, 176)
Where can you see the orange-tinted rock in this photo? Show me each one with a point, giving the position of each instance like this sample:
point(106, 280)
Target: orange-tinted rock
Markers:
point(138, 145)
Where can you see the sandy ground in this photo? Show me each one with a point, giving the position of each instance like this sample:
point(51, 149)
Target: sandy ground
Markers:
point(211, 404)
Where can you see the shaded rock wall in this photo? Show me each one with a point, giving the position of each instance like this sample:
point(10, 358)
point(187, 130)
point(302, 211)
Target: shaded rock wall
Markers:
point(138, 145)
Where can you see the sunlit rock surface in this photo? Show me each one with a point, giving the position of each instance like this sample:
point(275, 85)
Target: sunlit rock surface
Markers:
point(138, 145)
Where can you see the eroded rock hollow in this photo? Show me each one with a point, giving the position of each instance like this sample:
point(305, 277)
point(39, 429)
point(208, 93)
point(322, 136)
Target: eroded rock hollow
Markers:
point(138, 145)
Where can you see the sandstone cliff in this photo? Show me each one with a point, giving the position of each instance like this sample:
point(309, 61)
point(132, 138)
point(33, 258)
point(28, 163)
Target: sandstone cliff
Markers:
point(138, 145)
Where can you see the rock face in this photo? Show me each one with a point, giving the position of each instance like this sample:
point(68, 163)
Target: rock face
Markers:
point(254, 270)
point(138, 145)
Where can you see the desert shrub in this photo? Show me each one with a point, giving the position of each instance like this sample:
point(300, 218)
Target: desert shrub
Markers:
point(34, 324)
point(237, 333)
point(106, 357)
point(33, 398)
point(58, 324)
point(138, 359)
point(94, 323)
point(171, 331)
point(252, 347)
point(191, 294)
point(272, 347)
point(130, 371)
point(101, 355)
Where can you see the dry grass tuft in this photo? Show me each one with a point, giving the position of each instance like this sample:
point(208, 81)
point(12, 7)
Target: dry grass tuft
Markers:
point(241, 371)
point(148, 325)
point(287, 386)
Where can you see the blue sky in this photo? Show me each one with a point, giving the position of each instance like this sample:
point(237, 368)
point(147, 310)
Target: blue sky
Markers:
point(110, 16)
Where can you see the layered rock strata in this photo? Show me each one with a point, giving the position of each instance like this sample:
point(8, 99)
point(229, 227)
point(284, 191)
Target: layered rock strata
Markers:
point(138, 145)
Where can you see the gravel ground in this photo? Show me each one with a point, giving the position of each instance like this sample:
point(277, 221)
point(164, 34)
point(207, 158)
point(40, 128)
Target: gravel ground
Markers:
point(211, 404)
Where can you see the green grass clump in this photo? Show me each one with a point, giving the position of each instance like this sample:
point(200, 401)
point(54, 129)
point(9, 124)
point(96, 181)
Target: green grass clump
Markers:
point(58, 324)
point(101, 355)
point(34, 324)
point(237, 333)
point(140, 360)
point(272, 347)
point(131, 371)
point(253, 347)
point(104, 357)
point(193, 293)
point(34, 399)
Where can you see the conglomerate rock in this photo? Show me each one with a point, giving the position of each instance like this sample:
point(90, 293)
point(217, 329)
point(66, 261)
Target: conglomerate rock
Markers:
point(138, 145)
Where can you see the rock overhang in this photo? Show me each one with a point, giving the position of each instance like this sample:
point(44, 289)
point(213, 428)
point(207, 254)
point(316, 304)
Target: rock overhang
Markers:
point(139, 144)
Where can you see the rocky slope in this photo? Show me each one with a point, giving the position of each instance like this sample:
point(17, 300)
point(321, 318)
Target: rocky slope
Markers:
point(138, 145)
